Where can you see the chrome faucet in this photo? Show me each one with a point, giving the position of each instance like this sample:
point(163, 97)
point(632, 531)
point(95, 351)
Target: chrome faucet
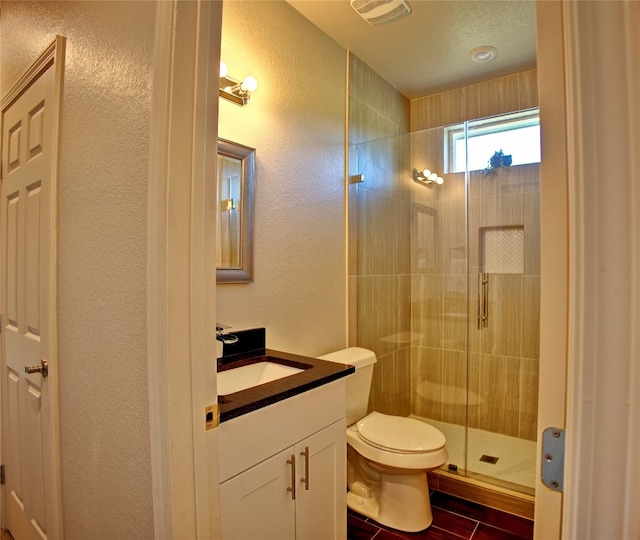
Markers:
point(226, 338)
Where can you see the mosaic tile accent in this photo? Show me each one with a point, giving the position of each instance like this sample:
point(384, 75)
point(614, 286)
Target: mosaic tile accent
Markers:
point(502, 250)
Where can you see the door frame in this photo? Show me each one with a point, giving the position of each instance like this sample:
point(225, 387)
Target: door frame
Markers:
point(53, 56)
point(554, 248)
point(602, 478)
point(181, 344)
point(589, 374)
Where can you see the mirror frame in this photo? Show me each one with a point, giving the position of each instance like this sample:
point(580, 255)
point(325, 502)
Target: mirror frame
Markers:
point(247, 157)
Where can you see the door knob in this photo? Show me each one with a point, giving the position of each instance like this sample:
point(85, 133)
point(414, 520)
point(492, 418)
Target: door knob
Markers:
point(43, 368)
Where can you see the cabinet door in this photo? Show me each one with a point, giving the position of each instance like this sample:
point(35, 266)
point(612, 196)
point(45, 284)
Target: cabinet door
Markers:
point(256, 505)
point(321, 504)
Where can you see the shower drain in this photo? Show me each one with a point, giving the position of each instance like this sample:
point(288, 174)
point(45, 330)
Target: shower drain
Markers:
point(489, 459)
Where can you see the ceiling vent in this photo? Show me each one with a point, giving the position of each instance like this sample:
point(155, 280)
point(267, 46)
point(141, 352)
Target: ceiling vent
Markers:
point(381, 11)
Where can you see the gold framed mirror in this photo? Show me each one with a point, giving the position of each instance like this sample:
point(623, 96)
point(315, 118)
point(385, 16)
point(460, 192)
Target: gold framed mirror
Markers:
point(234, 204)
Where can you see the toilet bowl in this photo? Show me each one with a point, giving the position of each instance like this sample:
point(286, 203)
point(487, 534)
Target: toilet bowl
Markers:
point(387, 456)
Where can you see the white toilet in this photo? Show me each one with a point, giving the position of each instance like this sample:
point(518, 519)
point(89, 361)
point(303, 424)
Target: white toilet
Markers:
point(387, 456)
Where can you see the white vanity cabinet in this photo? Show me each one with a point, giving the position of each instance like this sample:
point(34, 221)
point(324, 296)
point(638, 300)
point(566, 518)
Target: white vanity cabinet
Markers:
point(256, 504)
point(283, 469)
point(260, 503)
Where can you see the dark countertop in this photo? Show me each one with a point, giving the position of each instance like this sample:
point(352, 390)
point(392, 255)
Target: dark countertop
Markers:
point(319, 373)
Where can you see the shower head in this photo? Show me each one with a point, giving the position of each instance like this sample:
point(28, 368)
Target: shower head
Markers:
point(381, 11)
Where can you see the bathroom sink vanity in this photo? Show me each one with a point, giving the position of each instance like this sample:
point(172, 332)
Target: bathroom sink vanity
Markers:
point(282, 451)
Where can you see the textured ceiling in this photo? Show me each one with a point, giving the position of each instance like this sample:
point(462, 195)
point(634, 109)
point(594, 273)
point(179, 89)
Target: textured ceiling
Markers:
point(427, 51)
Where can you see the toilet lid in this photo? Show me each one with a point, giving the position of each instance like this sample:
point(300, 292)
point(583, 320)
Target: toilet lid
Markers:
point(399, 434)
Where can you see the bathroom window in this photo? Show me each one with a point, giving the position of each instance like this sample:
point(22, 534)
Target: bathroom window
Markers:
point(516, 134)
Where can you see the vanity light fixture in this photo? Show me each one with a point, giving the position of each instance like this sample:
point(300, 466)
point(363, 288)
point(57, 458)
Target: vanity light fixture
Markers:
point(236, 91)
point(426, 177)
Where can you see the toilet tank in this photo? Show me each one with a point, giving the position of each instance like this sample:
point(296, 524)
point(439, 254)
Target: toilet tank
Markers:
point(359, 383)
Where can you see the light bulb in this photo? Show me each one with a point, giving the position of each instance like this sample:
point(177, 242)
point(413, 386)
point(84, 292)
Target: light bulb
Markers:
point(426, 173)
point(439, 180)
point(224, 69)
point(433, 176)
point(249, 84)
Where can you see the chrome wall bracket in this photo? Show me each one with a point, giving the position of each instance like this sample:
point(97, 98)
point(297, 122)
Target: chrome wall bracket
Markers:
point(553, 458)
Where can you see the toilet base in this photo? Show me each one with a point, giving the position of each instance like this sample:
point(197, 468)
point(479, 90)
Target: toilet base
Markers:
point(403, 502)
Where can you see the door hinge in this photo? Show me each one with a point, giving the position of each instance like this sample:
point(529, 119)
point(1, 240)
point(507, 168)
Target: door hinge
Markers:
point(1, 475)
point(553, 458)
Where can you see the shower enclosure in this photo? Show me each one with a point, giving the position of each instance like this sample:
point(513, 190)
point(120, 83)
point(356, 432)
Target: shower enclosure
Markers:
point(444, 285)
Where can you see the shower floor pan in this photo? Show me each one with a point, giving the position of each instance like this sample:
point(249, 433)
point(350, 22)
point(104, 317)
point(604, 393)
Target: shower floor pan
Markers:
point(516, 458)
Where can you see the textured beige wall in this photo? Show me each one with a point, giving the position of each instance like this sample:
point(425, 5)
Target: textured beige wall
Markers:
point(295, 121)
point(103, 162)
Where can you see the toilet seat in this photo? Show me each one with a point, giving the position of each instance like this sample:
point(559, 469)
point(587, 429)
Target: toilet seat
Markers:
point(399, 434)
point(383, 450)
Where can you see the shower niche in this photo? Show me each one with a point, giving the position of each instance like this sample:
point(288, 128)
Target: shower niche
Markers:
point(445, 288)
point(502, 249)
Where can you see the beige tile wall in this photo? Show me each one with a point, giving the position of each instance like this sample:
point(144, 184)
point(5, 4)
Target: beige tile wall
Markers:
point(380, 234)
point(506, 94)
point(376, 108)
point(439, 296)
point(511, 197)
point(502, 371)
point(408, 290)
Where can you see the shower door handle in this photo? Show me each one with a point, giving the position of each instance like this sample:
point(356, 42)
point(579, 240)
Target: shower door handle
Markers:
point(483, 300)
point(485, 295)
point(480, 301)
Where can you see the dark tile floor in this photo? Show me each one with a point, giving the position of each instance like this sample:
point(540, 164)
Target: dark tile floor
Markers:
point(453, 519)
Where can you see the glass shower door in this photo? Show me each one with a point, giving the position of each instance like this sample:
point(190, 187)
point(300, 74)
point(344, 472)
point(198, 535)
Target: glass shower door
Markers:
point(444, 288)
point(504, 284)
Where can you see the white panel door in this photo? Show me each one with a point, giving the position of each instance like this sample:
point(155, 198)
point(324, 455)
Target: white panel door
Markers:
point(28, 158)
point(321, 510)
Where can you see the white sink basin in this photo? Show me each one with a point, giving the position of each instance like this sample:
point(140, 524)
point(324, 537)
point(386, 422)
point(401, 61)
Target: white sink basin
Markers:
point(241, 378)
